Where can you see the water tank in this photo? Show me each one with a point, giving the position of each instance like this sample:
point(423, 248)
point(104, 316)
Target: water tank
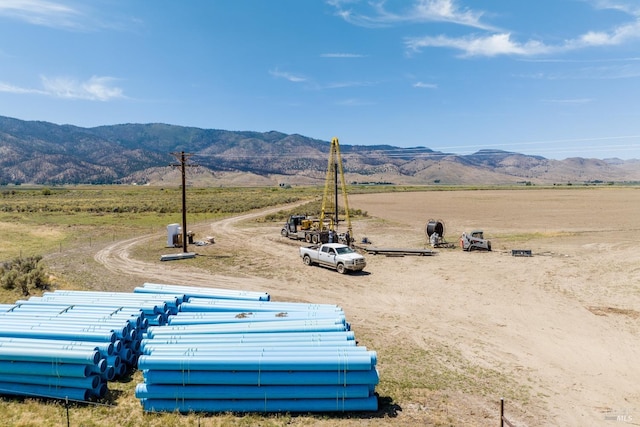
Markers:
point(172, 231)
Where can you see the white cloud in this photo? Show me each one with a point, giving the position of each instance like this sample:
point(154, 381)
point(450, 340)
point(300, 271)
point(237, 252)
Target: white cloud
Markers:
point(81, 17)
point(626, 6)
point(340, 85)
point(447, 11)
point(354, 102)
point(503, 44)
point(422, 85)
point(341, 55)
point(9, 88)
point(375, 14)
point(94, 89)
point(617, 36)
point(491, 45)
point(42, 12)
point(288, 76)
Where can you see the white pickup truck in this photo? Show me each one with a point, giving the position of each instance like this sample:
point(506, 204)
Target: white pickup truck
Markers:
point(334, 255)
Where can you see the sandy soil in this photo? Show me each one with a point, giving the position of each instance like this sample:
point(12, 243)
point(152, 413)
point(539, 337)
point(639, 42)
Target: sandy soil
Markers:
point(561, 325)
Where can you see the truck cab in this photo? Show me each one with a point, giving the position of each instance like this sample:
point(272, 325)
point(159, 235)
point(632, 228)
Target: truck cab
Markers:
point(297, 222)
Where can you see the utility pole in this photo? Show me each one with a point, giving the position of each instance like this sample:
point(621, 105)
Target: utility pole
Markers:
point(182, 158)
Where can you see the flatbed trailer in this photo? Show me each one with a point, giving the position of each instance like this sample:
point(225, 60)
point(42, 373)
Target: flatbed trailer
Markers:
point(301, 227)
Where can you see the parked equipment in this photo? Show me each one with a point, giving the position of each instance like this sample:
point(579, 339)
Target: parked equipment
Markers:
point(325, 229)
point(435, 234)
point(302, 227)
point(474, 240)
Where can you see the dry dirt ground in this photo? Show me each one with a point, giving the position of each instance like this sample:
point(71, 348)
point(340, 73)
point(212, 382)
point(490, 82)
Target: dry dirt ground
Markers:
point(559, 329)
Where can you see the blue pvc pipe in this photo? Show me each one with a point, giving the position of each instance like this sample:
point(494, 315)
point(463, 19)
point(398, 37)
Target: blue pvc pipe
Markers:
point(265, 324)
point(42, 368)
point(126, 354)
point(261, 377)
point(122, 369)
point(230, 305)
point(105, 349)
point(198, 392)
point(7, 307)
point(146, 308)
point(263, 316)
point(356, 362)
point(109, 374)
point(31, 390)
point(170, 300)
point(94, 317)
point(119, 331)
point(100, 367)
point(260, 327)
point(261, 405)
point(100, 391)
point(251, 337)
point(114, 361)
point(48, 355)
point(192, 291)
point(261, 351)
point(241, 347)
point(89, 382)
point(7, 331)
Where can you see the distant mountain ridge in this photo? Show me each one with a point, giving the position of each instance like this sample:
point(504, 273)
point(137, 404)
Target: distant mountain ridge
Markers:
point(45, 153)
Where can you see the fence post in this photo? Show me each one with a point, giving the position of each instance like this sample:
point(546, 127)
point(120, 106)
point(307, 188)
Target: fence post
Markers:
point(502, 412)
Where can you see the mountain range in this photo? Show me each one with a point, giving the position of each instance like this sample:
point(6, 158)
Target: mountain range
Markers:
point(38, 152)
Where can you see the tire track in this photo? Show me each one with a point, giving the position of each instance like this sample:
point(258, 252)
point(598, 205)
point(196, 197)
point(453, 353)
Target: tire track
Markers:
point(117, 259)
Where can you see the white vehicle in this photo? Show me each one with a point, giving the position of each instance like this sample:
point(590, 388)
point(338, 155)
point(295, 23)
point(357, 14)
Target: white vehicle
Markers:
point(474, 240)
point(334, 255)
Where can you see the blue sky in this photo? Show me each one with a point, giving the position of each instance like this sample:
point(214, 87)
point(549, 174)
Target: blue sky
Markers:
point(557, 78)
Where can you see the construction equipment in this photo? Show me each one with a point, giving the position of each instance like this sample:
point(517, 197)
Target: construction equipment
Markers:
point(330, 197)
point(302, 227)
point(435, 234)
point(474, 240)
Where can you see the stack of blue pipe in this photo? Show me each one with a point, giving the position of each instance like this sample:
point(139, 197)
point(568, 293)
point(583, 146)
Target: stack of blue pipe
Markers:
point(221, 354)
point(203, 349)
point(70, 344)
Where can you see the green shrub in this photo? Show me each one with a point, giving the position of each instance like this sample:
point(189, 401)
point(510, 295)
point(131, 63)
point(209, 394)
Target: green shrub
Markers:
point(24, 274)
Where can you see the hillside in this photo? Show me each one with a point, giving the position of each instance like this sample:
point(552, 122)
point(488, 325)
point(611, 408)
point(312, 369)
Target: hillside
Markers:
point(45, 153)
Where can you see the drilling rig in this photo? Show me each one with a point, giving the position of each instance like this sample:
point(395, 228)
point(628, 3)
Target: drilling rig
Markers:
point(330, 197)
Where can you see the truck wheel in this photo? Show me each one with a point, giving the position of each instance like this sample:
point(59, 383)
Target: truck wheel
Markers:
point(306, 259)
point(307, 238)
point(340, 268)
point(315, 239)
point(284, 232)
